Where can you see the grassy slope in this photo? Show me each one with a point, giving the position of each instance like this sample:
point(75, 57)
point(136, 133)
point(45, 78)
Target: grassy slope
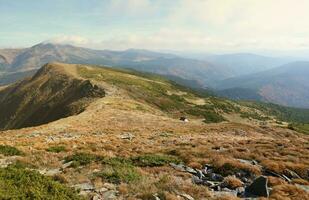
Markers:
point(161, 93)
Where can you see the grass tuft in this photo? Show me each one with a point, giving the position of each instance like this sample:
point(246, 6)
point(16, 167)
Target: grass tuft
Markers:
point(10, 151)
point(154, 160)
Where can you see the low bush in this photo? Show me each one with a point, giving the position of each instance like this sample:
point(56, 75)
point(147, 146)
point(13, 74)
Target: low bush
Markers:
point(118, 170)
point(18, 183)
point(56, 149)
point(153, 160)
point(10, 151)
point(213, 117)
point(80, 159)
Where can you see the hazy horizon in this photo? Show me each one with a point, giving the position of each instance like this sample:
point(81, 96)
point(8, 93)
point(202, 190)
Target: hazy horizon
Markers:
point(201, 26)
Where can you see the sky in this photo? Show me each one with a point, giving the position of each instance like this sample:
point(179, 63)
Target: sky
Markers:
point(179, 25)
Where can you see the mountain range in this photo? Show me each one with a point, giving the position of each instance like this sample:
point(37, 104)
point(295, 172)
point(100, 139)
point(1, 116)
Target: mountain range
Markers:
point(286, 85)
point(237, 76)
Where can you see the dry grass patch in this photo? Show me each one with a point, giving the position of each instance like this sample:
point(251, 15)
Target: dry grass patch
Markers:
point(288, 192)
point(232, 182)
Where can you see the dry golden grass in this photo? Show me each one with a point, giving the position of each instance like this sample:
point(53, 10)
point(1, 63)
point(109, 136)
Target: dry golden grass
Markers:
point(288, 192)
point(232, 182)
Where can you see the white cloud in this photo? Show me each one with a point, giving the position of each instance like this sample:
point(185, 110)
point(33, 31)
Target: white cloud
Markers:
point(69, 39)
point(208, 25)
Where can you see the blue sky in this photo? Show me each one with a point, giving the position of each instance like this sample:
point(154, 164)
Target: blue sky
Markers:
point(182, 25)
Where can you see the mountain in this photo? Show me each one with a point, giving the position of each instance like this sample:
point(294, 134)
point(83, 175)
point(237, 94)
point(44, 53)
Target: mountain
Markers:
point(244, 63)
point(53, 93)
point(286, 85)
point(188, 70)
point(104, 133)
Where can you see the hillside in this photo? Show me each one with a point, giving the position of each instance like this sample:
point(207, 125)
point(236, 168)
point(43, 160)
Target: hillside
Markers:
point(51, 94)
point(127, 141)
point(286, 85)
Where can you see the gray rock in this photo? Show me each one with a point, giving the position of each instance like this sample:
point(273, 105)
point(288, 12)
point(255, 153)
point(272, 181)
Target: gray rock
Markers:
point(197, 180)
point(84, 186)
point(215, 177)
point(258, 187)
point(127, 136)
point(50, 172)
point(291, 174)
point(183, 168)
point(111, 194)
point(186, 197)
point(304, 187)
point(66, 165)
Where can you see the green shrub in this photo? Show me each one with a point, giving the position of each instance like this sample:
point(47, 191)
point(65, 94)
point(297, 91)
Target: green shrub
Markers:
point(10, 151)
point(213, 117)
point(80, 159)
point(18, 183)
point(152, 160)
point(56, 149)
point(22, 164)
point(117, 170)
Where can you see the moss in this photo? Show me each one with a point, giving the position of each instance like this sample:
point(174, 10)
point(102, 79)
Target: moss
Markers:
point(10, 151)
point(153, 160)
point(18, 183)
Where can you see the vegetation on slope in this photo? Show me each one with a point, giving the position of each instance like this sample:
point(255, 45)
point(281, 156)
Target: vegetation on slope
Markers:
point(19, 183)
point(158, 92)
point(288, 114)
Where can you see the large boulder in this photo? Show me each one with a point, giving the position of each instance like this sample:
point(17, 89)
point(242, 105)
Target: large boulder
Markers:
point(258, 187)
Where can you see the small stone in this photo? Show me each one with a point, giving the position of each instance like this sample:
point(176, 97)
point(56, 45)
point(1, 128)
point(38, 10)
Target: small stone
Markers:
point(187, 197)
point(258, 187)
point(66, 165)
point(304, 187)
point(109, 195)
point(127, 136)
point(216, 177)
point(84, 186)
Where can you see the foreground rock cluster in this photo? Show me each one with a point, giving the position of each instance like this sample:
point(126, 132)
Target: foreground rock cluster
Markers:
point(241, 184)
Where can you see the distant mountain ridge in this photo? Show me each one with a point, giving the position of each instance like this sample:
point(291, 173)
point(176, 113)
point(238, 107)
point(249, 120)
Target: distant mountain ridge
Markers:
point(286, 85)
point(160, 63)
point(237, 76)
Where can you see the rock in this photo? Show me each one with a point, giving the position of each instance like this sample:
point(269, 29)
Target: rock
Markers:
point(271, 173)
point(84, 186)
point(109, 186)
point(183, 168)
point(240, 191)
point(50, 172)
point(258, 187)
point(304, 187)
point(186, 197)
point(215, 177)
point(111, 194)
point(101, 190)
point(291, 174)
point(155, 196)
point(225, 193)
point(197, 180)
point(66, 165)
point(127, 136)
